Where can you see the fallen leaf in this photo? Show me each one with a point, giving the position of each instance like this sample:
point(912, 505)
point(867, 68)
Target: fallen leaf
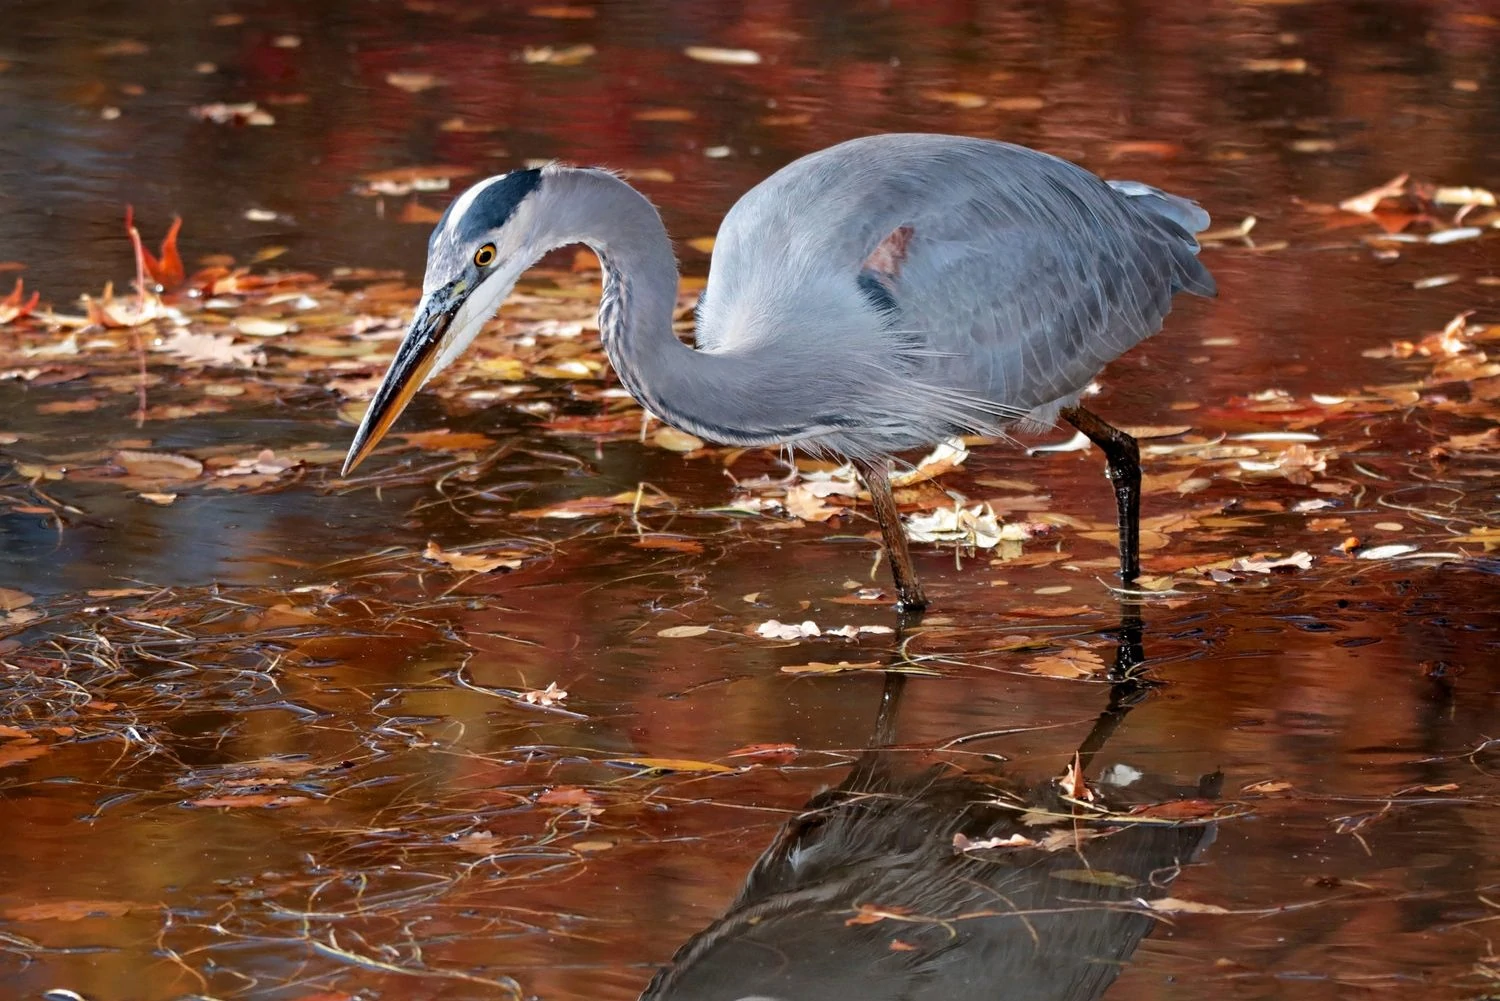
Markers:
point(1268, 787)
point(10, 600)
point(683, 632)
point(1265, 564)
point(817, 667)
point(1068, 664)
point(1178, 809)
point(1095, 877)
point(671, 764)
point(774, 629)
point(472, 562)
point(586, 507)
point(412, 81)
point(158, 465)
point(264, 799)
point(210, 349)
point(725, 57)
point(964, 844)
point(1072, 782)
point(676, 441)
point(1175, 905)
point(72, 910)
point(549, 696)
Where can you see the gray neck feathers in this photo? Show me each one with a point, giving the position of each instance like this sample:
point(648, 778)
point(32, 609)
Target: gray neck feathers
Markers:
point(738, 396)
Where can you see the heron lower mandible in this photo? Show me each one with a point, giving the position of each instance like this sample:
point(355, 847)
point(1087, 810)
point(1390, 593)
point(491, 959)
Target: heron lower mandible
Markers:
point(877, 296)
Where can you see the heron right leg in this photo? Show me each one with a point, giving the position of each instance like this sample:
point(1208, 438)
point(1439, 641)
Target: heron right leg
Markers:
point(877, 477)
point(1124, 458)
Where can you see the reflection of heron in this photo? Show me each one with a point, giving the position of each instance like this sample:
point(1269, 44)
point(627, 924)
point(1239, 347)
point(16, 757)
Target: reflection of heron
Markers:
point(880, 295)
point(863, 895)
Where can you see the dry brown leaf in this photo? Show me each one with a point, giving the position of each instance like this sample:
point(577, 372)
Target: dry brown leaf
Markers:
point(817, 667)
point(210, 349)
point(472, 562)
point(72, 910)
point(261, 799)
point(1178, 809)
point(1067, 664)
point(587, 507)
point(1072, 781)
point(158, 465)
point(10, 599)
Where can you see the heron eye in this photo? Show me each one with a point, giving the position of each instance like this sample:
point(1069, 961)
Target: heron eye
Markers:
point(485, 255)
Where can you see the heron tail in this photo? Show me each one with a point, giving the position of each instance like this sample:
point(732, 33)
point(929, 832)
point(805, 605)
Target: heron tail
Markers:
point(1182, 217)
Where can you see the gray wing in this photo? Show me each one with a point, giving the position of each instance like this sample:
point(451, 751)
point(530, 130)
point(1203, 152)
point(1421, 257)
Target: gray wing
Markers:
point(1017, 278)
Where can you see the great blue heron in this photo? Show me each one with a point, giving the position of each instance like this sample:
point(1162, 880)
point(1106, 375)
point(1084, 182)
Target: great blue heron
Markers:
point(877, 296)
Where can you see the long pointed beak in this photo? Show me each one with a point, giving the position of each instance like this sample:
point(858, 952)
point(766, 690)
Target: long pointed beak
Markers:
point(414, 359)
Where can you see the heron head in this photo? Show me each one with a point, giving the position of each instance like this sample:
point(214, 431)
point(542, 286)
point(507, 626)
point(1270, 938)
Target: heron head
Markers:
point(475, 255)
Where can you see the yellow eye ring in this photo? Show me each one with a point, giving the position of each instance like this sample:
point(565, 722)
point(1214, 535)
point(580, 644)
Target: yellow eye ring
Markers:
point(485, 255)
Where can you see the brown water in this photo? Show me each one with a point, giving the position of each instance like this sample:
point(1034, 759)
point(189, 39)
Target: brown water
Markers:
point(294, 765)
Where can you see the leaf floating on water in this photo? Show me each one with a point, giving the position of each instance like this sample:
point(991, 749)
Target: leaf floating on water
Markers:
point(1386, 552)
point(1265, 564)
point(413, 81)
point(817, 667)
point(472, 562)
point(1068, 665)
point(572, 55)
point(588, 507)
point(1175, 905)
point(676, 441)
point(671, 764)
point(250, 801)
point(1095, 877)
point(73, 910)
point(158, 465)
point(947, 457)
point(683, 632)
point(550, 696)
point(776, 630)
point(723, 57)
point(10, 599)
point(961, 843)
point(1072, 783)
point(210, 349)
point(261, 326)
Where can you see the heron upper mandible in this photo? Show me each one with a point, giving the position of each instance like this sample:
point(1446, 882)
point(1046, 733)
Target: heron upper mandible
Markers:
point(880, 295)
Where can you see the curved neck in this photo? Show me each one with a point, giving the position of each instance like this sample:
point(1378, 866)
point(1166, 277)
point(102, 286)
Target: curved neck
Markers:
point(725, 397)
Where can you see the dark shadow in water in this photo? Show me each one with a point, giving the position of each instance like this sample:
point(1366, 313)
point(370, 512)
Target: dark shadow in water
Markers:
point(864, 894)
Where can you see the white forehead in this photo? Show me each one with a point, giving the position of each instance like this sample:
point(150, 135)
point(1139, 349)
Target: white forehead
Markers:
point(465, 202)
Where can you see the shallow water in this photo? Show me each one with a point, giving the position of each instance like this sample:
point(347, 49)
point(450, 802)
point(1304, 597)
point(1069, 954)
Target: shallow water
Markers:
point(295, 765)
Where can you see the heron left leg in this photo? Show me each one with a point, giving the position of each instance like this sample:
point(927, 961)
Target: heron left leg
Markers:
point(877, 477)
point(1124, 458)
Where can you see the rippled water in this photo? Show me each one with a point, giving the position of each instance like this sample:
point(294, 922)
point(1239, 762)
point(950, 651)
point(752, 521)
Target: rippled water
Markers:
point(1344, 716)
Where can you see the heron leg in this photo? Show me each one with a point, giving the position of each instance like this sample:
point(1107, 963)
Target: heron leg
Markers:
point(1124, 458)
point(876, 474)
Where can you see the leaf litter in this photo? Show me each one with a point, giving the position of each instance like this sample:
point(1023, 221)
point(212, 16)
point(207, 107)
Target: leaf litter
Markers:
point(111, 669)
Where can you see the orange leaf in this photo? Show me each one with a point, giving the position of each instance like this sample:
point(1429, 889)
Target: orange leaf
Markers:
point(251, 799)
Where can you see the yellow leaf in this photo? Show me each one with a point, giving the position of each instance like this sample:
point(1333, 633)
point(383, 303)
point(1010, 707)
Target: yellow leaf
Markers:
point(683, 632)
point(158, 465)
point(671, 764)
point(820, 668)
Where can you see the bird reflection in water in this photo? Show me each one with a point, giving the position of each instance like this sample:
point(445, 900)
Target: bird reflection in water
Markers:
point(865, 896)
